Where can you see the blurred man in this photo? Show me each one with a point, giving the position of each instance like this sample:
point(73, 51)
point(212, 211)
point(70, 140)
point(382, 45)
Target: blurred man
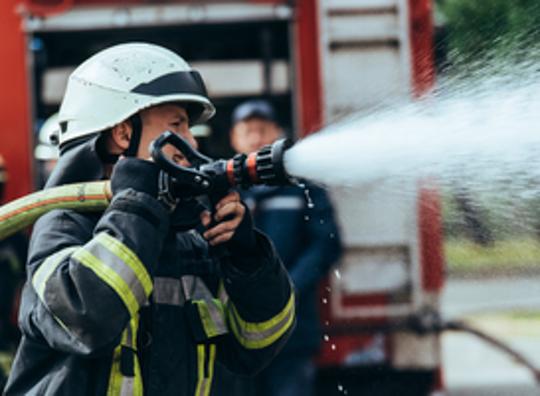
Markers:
point(306, 238)
point(46, 152)
point(12, 259)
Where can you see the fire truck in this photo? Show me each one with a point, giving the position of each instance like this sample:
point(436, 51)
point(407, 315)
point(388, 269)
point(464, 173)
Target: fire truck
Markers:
point(317, 60)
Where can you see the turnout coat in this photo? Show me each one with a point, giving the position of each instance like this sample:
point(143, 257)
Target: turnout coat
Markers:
point(132, 301)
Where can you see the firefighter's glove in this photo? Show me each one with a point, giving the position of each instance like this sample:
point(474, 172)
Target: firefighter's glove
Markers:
point(243, 240)
point(243, 245)
point(143, 176)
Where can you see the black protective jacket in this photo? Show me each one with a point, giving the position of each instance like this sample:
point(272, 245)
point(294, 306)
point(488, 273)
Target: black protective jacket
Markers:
point(128, 302)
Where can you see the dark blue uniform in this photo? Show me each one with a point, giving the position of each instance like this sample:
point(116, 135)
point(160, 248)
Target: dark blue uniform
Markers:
point(308, 243)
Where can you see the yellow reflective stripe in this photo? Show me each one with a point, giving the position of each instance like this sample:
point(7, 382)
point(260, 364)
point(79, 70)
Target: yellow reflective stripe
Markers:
point(200, 369)
point(207, 322)
point(127, 256)
point(120, 385)
point(212, 314)
point(204, 384)
point(262, 334)
point(109, 276)
point(45, 270)
point(115, 378)
point(211, 364)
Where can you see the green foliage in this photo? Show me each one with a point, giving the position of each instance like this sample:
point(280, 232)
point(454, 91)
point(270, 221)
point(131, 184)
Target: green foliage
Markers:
point(490, 28)
point(466, 257)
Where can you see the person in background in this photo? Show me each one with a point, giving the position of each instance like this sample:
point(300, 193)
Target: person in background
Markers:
point(46, 151)
point(306, 238)
point(12, 260)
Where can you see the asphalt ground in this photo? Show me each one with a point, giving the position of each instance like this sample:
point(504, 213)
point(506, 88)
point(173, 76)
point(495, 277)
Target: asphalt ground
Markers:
point(508, 308)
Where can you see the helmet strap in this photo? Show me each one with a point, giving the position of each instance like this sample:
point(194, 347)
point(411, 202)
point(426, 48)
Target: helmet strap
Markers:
point(136, 126)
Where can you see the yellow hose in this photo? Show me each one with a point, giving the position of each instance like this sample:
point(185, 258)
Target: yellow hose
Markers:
point(18, 214)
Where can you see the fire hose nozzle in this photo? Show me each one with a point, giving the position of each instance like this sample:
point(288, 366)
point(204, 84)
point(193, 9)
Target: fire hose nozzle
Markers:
point(214, 177)
point(265, 166)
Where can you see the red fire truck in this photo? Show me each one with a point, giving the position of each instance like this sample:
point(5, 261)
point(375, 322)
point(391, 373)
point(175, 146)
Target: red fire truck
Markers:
point(318, 60)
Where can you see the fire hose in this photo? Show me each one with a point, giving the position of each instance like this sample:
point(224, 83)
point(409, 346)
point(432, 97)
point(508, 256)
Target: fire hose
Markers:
point(204, 176)
point(428, 321)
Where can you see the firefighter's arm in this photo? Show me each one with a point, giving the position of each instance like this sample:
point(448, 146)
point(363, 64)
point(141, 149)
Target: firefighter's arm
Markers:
point(323, 246)
point(91, 281)
point(260, 312)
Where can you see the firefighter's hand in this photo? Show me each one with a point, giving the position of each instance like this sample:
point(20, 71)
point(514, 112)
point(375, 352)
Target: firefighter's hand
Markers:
point(229, 213)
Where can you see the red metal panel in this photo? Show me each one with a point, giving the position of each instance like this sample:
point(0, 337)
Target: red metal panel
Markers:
point(15, 130)
point(308, 69)
point(431, 238)
point(50, 7)
point(421, 35)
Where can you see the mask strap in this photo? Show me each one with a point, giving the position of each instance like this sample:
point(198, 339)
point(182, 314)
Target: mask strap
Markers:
point(136, 125)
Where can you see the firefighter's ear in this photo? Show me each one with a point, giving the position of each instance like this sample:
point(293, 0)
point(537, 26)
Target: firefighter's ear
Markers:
point(120, 137)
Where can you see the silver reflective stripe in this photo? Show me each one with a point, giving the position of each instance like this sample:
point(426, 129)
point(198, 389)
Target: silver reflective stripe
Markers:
point(120, 267)
point(188, 286)
point(218, 317)
point(129, 336)
point(282, 203)
point(262, 335)
point(222, 293)
point(195, 289)
point(128, 386)
point(168, 291)
point(45, 270)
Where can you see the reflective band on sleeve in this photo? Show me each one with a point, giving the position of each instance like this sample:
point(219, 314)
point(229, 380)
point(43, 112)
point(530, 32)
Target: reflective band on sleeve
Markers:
point(46, 269)
point(119, 277)
point(262, 334)
point(128, 257)
point(212, 314)
point(204, 383)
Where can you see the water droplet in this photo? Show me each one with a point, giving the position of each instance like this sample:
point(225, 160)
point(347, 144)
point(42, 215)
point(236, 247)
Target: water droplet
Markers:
point(310, 203)
point(332, 235)
point(337, 273)
point(325, 301)
point(326, 337)
point(321, 221)
point(333, 347)
point(327, 323)
point(306, 218)
point(340, 387)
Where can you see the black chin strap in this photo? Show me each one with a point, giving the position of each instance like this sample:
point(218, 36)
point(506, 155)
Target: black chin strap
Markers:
point(136, 125)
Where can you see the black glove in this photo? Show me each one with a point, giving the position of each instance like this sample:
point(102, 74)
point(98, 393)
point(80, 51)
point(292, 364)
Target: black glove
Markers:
point(143, 176)
point(243, 245)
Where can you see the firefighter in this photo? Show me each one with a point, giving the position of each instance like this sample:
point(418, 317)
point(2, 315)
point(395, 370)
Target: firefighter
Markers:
point(135, 301)
point(307, 239)
point(12, 259)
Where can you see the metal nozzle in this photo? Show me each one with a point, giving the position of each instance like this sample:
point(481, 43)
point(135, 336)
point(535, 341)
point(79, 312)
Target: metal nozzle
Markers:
point(261, 167)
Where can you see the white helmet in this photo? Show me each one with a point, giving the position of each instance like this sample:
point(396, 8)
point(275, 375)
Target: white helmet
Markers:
point(48, 135)
point(119, 81)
